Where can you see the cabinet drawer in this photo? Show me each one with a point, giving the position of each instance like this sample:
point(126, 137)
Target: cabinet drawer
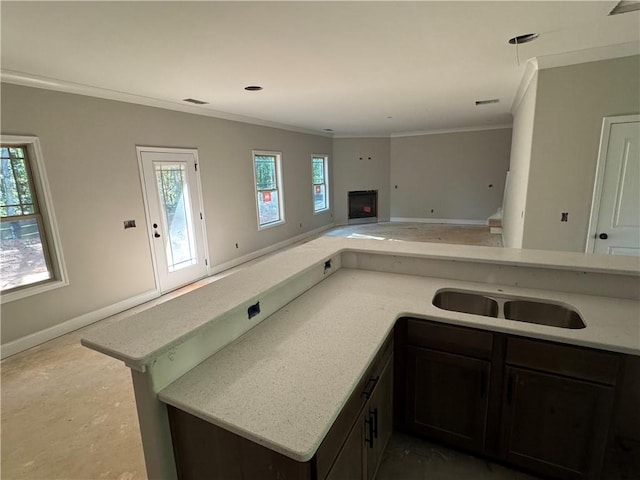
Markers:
point(448, 338)
point(339, 431)
point(570, 361)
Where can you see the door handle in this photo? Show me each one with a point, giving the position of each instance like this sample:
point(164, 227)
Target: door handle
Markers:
point(373, 415)
point(603, 236)
point(156, 234)
point(369, 427)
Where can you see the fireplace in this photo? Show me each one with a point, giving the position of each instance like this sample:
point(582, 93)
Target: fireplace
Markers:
point(363, 206)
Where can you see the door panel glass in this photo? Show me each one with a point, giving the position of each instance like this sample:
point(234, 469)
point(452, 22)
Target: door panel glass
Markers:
point(176, 211)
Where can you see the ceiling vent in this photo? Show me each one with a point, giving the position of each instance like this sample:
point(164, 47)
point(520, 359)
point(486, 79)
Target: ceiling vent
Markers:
point(625, 6)
point(195, 102)
point(487, 102)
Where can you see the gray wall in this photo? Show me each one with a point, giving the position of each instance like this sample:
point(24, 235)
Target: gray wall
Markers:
point(515, 198)
point(351, 173)
point(571, 103)
point(90, 157)
point(449, 176)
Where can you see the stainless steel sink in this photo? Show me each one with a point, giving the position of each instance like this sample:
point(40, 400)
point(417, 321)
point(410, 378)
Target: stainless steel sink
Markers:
point(507, 307)
point(542, 314)
point(466, 303)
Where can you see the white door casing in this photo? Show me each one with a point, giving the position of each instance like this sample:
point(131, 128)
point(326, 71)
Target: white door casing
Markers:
point(614, 225)
point(175, 219)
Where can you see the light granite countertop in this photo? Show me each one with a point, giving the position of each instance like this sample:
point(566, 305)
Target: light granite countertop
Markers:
point(141, 340)
point(283, 383)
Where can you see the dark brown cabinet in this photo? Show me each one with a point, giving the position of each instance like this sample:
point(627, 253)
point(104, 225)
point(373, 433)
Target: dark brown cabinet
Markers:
point(447, 396)
point(540, 405)
point(443, 381)
point(558, 404)
point(362, 451)
point(378, 423)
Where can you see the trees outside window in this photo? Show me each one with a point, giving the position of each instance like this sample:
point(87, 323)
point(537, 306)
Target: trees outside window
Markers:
point(28, 254)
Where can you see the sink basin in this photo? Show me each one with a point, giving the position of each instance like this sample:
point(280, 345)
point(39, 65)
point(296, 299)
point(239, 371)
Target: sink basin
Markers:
point(466, 303)
point(542, 314)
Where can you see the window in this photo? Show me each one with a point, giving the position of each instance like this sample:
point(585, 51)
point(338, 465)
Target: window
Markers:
point(320, 174)
point(269, 195)
point(27, 253)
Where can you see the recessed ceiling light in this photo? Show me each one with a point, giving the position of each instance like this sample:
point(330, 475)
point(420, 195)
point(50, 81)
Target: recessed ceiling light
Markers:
point(487, 102)
point(253, 88)
point(195, 101)
point(526, 38)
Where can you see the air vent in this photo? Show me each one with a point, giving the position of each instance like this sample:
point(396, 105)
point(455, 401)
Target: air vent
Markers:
point(625, 7)
point(195, 102)
point(487, 102)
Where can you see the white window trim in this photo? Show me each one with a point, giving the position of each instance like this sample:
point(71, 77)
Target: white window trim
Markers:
point(279, 183)
point(50, 225)
point(326, 183)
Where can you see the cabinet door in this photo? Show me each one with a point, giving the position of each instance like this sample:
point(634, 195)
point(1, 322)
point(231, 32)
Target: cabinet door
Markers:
point(447, 397)
point(378, 420)
point(349, 464)
point(555, 425)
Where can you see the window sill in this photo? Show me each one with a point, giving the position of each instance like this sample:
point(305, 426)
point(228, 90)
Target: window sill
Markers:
point(270, 225)
point(33, 290)
point(324, 210)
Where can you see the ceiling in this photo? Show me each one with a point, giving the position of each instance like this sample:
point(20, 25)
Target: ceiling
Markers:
point(357, 68)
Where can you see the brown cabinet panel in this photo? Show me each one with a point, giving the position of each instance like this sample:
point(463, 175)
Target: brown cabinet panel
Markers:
point(447, 397)
point(577, 362)
point(350, 462)
point(203, 450)
point(555, 425)
point(448, 338)
point(379, 421)
point(335, 438)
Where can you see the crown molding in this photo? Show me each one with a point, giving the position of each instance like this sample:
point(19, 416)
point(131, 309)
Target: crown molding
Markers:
point(575, 57)
point(46, 83)
point(453, 130)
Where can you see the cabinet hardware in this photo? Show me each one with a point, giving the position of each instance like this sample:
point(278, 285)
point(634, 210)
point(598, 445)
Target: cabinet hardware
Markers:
point(369, 387)
point(374, 413)
point(369, 427)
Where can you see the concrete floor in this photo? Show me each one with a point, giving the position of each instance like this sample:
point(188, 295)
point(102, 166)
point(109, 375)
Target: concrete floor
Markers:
point(421, 232)
point(69, 412)
point(409, 458)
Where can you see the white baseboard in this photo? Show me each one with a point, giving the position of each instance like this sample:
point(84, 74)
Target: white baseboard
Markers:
point(34, 339)
point(263, 251)
point(452, 221)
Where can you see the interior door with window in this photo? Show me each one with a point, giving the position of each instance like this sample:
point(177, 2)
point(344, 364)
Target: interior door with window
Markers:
point(174, 215)
point(615, 218)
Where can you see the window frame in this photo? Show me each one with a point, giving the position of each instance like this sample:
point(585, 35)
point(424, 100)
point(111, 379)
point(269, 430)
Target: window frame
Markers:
point(325, 158)
point(279, 187)
point(50, 235)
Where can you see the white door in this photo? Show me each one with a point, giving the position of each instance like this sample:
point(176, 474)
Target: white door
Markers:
point(615, 218)
point(175, 221)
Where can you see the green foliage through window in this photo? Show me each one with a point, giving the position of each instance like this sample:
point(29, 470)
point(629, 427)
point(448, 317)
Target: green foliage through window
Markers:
point(16, 197)
point(23, 249)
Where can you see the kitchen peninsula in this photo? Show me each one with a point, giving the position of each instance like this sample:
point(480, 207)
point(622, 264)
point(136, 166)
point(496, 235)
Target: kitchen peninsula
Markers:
point(274, 352)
